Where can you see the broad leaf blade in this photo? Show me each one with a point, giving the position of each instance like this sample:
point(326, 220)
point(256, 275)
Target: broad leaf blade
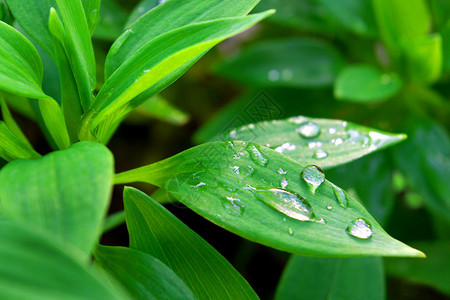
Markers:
point(32, 266)
point(292, 62)
point(322, 142)
point(237, 186)
point(157, 232)
point(365, 83)
point(20, 64)
point(169, 16)
point(12, 147)
point(332, 278)
point(67, 193)
point(144, 276)
point(141, 9)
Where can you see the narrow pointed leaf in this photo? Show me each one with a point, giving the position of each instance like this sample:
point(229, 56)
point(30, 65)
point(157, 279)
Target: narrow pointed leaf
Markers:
point(288, 62)
point(20, 64)
point(322, 142)
point(67, 193)
point(167, 17)
point(332, 278)
point(12, 147)
point(34, 267)
point(144, 276)
point(268, 198)
point(92, 10)
point(155, 63)
point(157, 232)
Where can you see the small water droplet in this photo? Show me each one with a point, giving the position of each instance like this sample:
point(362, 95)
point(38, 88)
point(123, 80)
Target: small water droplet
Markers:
point(320, 154)
point(287, 74)
point(251, 126)
point(233, 134)
point(291, 231)
point(119, 42)
point(273, 75)
point(281, 171)
point(332, 130)
point(338, 141)
point(314, 176)
point(329, 207)
point(285, 147)
point(141, 9)
point(284, 183)
point(288, 203)
point(284, 219)
point(235, 169)
point(256, 155)
point(308, 130)
point(341, 198)
point(359, 228)
point(321, 221)
point(356, 137)
point(161, 1)
point(233, 206)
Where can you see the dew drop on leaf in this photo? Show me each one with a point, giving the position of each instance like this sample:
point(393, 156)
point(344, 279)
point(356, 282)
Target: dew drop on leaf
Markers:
point(256, 155)
point(320, 154)
point(341, 198)
point(233, 206)
point(313, 176)
point(284, 183)
point(286, 202)
point(291, 231)
point(308, 130)
point(329, 207)
point(281, 171)
point(359, 228)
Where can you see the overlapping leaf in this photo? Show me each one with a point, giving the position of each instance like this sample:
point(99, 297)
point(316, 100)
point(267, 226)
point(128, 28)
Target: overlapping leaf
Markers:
point(268, 198)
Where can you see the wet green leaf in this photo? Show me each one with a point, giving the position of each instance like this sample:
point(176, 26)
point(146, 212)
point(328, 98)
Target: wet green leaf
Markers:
point(322, 142)
point(332, 278)
point(67, 193)
point(291, 62)
point(144, 276)
point(156, 231)
point(35, 267)
point(365, 83)
point(433, 271)
point(268, 198)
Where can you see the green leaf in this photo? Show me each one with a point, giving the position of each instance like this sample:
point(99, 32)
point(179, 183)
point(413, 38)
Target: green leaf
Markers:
point(10, 122)
point(159, 108)
point(271, 63)
point(67, 193)
point(144, 276)
point(12, 147)
point(322, 142)
point(268, 198)
point(79, 49)
point(332, 278)
point(157, 232)
point(424, 161)
point(433, 271)
point(365, 83)
point(20, 64)
point(167, 17)
point(92, 10)
point(34, 267)
point(142, 8)
point(155, 64)
point(355, 15)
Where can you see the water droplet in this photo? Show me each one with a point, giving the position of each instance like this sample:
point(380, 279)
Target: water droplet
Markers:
point(332, 130)
point(274, 75)
point(321, 221)
point(235, 169)
point(251, 126)
point(359, 228)
point(341, 198)
point(141, 9)
point(314, 176)
point(288, 203)
point(161, 1)
point(285, 147)
point(291, 231)
point(249, 171)
point(338, 141)
point(284, 219)
point(119, 42)
point(308, 130)
point(320, 154)
point(284, 183)
point(233, 206)
point(201, 186)
point(329, 207)
point(287, 74)
point(357, 137)
point(233, 134)
point(314, 144)
point(281, 171)
point(256, 155)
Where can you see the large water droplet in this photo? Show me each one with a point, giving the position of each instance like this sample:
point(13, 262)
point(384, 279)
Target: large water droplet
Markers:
point(288, 203)
point(341, 198)
point(313, 176)
point(233, 206)
point(119, 42)
point(359, 228)
point(273, 75)
point(320, 154)
point(308, 130)
point(256, 155)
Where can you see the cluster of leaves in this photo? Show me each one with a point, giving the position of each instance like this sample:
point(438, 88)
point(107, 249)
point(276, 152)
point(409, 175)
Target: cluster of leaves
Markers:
point(257, 181)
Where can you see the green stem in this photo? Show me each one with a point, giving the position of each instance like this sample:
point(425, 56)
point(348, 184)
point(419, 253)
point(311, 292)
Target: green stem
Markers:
point(114, 220)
